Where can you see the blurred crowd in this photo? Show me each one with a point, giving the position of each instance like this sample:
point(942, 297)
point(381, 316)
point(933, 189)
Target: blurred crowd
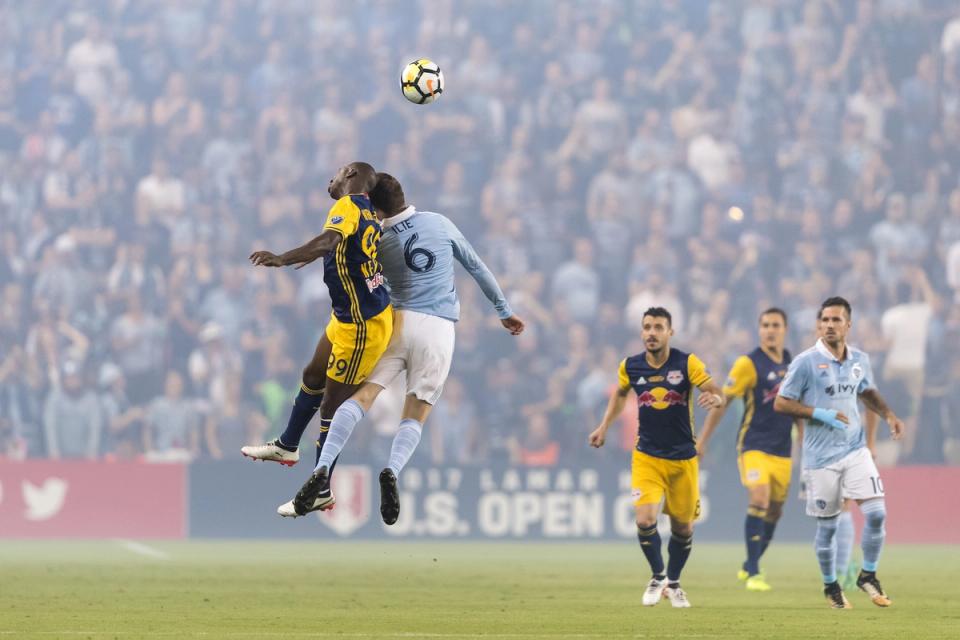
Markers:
point(714, 158)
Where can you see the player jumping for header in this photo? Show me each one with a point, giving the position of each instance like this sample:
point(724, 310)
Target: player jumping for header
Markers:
point(417, 251)
point(665, 460)
point(763, 442)
point(822, 386)
point(361, 323)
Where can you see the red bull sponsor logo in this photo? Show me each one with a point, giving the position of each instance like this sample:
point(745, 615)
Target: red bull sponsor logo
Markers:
point(771, 394)
point(660, 398)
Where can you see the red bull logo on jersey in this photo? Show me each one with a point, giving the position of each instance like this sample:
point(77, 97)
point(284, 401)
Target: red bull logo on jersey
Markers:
point(771, 394)
point(660, 398)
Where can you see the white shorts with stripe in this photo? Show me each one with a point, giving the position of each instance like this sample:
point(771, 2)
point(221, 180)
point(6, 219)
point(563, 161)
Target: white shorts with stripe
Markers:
point(854, 477)
point(422, 345)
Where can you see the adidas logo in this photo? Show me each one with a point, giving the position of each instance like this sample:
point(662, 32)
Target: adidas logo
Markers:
point(641, 380)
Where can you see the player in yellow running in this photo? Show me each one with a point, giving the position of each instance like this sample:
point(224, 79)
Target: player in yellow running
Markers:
point(763, 440)
point(665, 460)
point(359, 327)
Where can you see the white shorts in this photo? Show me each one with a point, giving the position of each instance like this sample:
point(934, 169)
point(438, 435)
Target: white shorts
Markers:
point(421, 345)
point(854, 477)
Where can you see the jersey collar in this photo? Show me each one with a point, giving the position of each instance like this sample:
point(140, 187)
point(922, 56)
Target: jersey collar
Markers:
point(400, 217)
point(825, 352)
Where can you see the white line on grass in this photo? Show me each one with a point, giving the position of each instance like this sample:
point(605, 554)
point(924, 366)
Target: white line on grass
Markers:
point(142, 550)
point(308, 634)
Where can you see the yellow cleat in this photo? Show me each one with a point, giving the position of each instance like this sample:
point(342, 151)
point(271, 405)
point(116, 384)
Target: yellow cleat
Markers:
point(742, 575)
point(758, 583)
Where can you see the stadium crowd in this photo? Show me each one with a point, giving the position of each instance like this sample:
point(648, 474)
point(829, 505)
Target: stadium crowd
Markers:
point(713, 158)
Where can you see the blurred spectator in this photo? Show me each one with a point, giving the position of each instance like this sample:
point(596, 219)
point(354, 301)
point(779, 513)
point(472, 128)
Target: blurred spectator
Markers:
point(171, 425)
point(72, 419)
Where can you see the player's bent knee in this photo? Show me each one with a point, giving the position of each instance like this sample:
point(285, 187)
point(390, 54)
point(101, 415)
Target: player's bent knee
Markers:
point(874, 512)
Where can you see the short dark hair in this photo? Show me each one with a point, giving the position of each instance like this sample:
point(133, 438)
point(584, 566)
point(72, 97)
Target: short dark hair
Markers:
point(387, 195)
point(778, 311)
point(659, 312)
point(835, 301)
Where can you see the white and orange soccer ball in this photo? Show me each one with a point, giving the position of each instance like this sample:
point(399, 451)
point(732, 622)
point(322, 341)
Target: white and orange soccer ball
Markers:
point(421, 81)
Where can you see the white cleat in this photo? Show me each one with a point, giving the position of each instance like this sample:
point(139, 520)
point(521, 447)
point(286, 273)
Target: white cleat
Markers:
point(654, 591)
point(677, 597)
point(272, 452)
point(323, 503)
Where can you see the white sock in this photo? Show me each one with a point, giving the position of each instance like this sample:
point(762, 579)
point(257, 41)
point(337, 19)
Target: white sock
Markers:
point(404, 444)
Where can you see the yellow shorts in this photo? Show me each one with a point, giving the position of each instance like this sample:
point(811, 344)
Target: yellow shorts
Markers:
point(677, 482)
point(357, 346)
point(758, 467)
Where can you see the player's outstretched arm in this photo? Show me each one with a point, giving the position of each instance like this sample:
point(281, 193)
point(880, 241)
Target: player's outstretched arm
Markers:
point(302, 255)
point(615, 406)
point(876, 403)
point(467, 256)
point(711, 396)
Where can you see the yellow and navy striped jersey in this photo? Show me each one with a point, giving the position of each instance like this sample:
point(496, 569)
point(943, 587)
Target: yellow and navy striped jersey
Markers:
point(351, 271)
point(756, 378)
point(663, 397)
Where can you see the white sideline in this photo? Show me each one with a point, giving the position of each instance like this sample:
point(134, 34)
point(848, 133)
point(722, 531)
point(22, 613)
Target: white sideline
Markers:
point(320, 634)
point(142, 549)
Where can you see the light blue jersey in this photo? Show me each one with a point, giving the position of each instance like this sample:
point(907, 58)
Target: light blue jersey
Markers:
point(417, 250)
point(819, 380)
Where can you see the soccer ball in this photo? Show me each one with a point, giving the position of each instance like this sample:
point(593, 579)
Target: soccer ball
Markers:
point(421, 81)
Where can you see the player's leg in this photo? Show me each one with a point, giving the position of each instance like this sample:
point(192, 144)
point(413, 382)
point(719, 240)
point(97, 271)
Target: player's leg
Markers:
point(755, 476)
point(845, 539)
point(405, 442)
point(648, 483)
point(682, 504)
point(862, 483)
point(824, 502)
point(285, 449)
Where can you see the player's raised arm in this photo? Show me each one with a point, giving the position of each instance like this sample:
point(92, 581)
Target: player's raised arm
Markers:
point(787, 401)
point(302, 255)
point(615, 406)
point(465, 254)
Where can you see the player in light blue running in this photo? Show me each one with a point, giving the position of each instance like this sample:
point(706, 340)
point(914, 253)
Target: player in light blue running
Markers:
point(823, 386)
point(417, 250)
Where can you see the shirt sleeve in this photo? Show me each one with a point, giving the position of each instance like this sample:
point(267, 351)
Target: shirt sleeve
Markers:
point(697, 371)
point(465, 254)
point(623, 380)
point(743, 376)
point(344, 217)
point(796, 381)
point(866, 382)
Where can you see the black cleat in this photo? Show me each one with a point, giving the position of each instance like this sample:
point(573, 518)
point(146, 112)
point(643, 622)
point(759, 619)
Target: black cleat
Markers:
point(868, 583)
point(317, 483)
point(835, 597)
point(389, 497)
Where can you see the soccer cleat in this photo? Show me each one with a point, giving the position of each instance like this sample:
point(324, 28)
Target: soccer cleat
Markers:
point(835, 596)
point(272, 452)
point(316, 484)
point(742, 575)
point(654, 591)
point(677, 597)
point(758, 583)
point(389, 497)
point(324, 502)
point(868, 583)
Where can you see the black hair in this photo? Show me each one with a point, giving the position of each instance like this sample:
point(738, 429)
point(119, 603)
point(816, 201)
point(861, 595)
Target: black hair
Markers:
point(387, 195)
point(659, 312)
point(778, 311)
point(836, 301)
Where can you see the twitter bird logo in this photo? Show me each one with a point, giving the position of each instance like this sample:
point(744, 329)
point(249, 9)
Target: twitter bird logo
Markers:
point(45, 501)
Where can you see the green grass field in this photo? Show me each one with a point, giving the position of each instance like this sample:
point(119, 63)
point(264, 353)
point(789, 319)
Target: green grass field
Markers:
point(114, 589)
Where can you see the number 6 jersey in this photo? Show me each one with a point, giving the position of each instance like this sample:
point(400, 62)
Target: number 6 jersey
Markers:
point(417, 251)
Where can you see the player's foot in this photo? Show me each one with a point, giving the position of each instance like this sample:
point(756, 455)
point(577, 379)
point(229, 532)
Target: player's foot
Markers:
point(758, 582)
point(654, 591)
point(273, 452)
point(324, 502)
point(389, 497)
point(316, 484)
point(677, 596)
point(743, 574)
point(835, 597)
point(868, 583)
